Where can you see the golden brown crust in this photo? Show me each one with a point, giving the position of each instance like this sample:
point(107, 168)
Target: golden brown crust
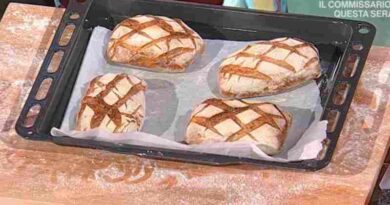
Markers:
point(243, 71)
point(281, 72)
point(285, 86)
point(101, 108)
point(228, 112)
point(123, 52)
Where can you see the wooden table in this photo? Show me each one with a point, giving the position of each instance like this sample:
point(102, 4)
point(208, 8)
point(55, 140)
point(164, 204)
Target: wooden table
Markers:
point(35, 172)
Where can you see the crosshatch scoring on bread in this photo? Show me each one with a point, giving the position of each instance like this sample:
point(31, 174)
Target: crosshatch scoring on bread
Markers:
point(217, 120)
point(268, 67)
point(114, 102)
point(155, 43)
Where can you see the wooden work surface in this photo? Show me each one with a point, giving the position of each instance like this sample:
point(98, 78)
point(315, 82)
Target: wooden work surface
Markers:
point(36, 172)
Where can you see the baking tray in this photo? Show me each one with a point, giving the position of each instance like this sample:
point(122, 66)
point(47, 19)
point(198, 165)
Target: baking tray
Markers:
point(343, 46)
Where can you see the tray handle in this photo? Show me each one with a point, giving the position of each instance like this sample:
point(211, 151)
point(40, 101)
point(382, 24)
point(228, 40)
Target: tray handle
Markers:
point(344, 87)
point(52, 69)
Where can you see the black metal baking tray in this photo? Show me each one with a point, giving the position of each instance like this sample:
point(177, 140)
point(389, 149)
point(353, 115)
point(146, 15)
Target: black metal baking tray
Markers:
point(343, 47)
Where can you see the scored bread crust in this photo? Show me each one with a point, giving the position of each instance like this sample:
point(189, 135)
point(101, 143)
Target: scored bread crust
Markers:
point(218, 120)
point(114, 102)
point(268, 67)
point(154, 43)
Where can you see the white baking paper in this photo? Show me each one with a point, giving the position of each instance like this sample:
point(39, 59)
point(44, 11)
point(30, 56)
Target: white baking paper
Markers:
point(170, 98)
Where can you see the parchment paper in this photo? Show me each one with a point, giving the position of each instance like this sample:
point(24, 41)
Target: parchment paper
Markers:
point(170, 98)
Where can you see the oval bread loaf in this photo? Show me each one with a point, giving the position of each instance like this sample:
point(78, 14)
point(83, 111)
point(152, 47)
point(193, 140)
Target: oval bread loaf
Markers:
point(268, 67)
point(155, 43)
point(114, 102)
point(217, 120)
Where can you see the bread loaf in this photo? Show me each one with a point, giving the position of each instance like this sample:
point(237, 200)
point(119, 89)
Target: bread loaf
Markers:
point(268, 67)
point(217, 120)
point(114, 102)
point(155, 43)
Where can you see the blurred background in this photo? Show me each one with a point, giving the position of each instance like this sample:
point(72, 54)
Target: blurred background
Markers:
point(311, 7)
